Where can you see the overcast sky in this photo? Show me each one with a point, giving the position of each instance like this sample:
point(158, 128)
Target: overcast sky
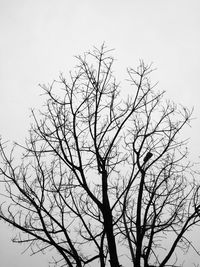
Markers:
point(38, 39)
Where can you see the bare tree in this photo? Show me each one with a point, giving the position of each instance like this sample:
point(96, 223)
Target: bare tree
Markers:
point(103, 180)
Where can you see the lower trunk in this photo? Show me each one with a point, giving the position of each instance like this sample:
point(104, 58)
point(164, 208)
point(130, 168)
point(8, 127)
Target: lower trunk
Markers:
point(108, 222)
point(108, 226)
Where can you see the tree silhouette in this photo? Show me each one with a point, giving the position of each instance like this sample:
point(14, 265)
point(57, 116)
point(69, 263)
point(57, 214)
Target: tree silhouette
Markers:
point(85, 184)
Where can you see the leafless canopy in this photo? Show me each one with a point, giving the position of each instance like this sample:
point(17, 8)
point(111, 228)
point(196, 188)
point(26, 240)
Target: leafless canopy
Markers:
point(103, 180)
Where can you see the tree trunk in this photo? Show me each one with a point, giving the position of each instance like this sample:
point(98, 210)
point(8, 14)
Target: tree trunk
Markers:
point(108, 226)
point(108, 223)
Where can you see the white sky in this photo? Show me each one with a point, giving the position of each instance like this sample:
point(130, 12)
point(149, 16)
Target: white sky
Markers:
point(38, 39)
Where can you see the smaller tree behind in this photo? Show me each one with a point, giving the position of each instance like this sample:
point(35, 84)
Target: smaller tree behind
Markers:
point(103, 180)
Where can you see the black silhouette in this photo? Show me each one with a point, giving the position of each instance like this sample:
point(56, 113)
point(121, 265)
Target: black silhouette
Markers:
point(147, 157)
